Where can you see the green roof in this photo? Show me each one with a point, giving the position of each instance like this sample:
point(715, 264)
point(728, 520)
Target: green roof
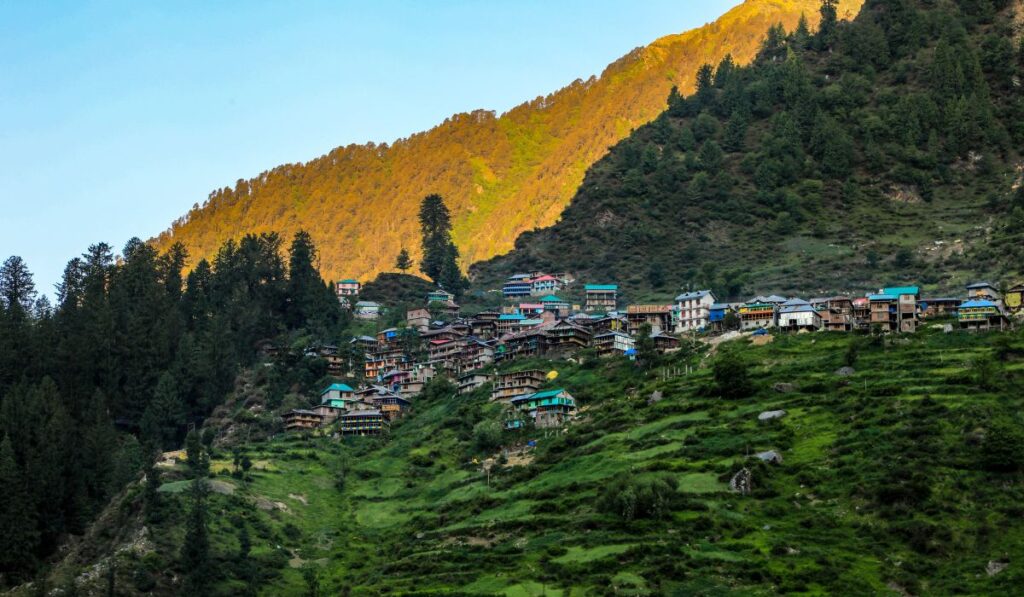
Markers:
point(551, 299)
point(601, 287)
point(548, 394)
point(337, 386)
point(898, 290)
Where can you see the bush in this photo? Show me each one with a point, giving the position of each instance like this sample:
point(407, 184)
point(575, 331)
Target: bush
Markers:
point(631, 498)
point(731, 377)
point(1002, 450)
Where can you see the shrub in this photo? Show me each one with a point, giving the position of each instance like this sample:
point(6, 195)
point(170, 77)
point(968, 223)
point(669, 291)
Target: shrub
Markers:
point(731, 377)
point(631, 498)
point(1002, 450)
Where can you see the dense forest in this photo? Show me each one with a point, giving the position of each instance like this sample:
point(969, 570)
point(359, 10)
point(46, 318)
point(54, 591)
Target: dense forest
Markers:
point(879, 150)
point(501, 175)
point(132, 355)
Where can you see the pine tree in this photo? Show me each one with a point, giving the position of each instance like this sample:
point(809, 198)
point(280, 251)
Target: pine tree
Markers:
point(828, 24)
point(164, 415)
point(198, 459)
point(440, 255)
point(403, 262)
point(195, 551)
point(646, 353)
point(18, 535)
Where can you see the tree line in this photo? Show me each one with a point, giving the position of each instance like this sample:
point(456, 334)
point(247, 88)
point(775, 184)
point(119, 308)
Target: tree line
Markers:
point(133, 353)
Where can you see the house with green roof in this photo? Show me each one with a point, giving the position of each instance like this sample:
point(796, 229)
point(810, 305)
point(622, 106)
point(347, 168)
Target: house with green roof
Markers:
point(338, 395)
point(601, 297)
point(894, 309)
point(549, 409)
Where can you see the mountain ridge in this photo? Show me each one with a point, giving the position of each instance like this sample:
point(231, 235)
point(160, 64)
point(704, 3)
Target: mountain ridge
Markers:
point(501, 175)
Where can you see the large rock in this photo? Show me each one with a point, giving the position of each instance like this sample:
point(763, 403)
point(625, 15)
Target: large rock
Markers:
point(770, 415)
point(771, 457)
point(845, 371)
point(784, 388)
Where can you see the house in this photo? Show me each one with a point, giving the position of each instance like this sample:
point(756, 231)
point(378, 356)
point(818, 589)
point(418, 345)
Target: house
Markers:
point(440, 296)
point(659, 317)
point(472, 380)
point(531, 309)
point(665, 343)
point(1014, 299)
point(567, 336)
point(419, 376)
point(716, 316)
point(982, 315)
point(694, 310)
point(600, 297)
point(418, 319)
point(382, 361)
point(363, 422)
point(756, 313)
point(347, 288)
point(510, 322)
point(614, 343)
point(526, 342)
point(550, 409)
point(555, 305)
point(907, 298)
point(328, 412)
point(476, 353)
point(798, 315)
point(983, 290)
point(939, 307)
point(367, 310)
point(598, 325)
point(298, 419)
point(444, 353)
point(483, 328)
point(392, 406)
point(883, 311)
point(544, 284)
point(337, 394)
point(388, 338)
point(517, 285)
point(516, 383)
point(861, 312)
point(364, 343)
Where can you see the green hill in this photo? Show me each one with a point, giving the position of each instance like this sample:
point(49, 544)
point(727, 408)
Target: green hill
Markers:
point(886, 150)
point(903, 476)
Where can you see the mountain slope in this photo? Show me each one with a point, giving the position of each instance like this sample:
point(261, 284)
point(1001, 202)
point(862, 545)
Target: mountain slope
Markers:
point(500, 176)
point(902, 478)
point(891, 154)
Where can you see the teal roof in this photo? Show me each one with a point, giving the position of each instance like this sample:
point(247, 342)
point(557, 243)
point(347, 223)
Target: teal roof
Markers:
point(551, 299)
point(882, 297)
point(337, 386)
point(350, 281)
point(511, 317)
point(548, 393)
point(601, 287)
point(898, 290)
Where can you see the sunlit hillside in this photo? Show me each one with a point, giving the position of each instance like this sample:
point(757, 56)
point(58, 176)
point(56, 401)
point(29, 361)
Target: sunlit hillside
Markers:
point(501, 175)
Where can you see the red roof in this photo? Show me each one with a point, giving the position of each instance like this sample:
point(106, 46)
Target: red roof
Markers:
point(544, 278)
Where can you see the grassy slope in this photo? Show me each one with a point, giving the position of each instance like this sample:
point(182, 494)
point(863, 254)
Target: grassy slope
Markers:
point(500, 175)
point(880, 486)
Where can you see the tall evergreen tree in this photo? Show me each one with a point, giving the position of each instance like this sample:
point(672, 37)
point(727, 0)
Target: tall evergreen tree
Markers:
point(195, 551)
point(436, 226)
point(18, 535)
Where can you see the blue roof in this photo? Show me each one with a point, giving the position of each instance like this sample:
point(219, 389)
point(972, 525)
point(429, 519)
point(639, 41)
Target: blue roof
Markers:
point(551, 299)
point(793, 302)
point(601, 287)
point(882, 297)
point(978, 303)
point(898, 290)
point(511, 317)
point(797, 309)
point(979, 285)
point(719, 306)
point(337, 386)
point(349, 281)
point(548, 393)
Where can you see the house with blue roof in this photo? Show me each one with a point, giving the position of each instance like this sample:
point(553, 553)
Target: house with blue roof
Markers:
point(894, 309)
point(339, 395)
point(982, 315)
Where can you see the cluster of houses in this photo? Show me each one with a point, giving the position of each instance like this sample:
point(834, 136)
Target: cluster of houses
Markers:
point(397, 363)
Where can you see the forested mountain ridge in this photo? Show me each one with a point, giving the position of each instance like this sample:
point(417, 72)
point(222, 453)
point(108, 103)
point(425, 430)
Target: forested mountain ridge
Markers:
point(889, 152)
point(500, 175)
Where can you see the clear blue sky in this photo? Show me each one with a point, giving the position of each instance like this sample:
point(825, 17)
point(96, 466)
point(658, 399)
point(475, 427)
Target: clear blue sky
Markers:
point(116, 117)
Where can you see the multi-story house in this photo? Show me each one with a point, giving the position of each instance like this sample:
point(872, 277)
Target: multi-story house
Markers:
point(600, 298)
point(694, 310)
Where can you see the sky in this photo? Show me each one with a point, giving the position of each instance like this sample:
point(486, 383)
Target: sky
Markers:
point(117, 117)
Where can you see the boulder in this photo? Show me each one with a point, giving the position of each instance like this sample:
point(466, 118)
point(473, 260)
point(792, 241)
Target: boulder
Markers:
point(995, 567)
point(784, 388)
point(770, 415)
point(771, 457)
point(845, 371)
point(655, 397)
point(741, 481)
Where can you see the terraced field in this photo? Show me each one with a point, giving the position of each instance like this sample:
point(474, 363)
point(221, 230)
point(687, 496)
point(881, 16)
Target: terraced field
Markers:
point(882, 485)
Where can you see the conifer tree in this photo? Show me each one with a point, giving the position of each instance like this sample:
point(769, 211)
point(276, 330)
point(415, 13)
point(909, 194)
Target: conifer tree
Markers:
point(164, 415)
point(18, 535)
point(403, 262)
point(195, 551)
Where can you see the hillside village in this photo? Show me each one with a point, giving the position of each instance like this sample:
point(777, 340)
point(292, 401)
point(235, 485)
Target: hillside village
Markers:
point(437, 339)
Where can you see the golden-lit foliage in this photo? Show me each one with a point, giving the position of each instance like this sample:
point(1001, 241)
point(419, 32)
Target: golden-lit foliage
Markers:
point(500, 176)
